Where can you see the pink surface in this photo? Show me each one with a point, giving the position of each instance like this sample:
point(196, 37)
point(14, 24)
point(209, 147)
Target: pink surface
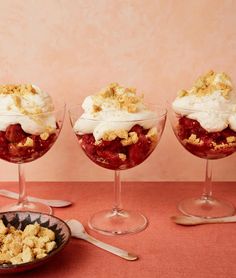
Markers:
point(165, 249)
point(73, 48)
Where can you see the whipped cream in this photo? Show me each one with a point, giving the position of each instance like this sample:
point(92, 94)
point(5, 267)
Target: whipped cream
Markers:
point(28, 106)
point(210, 101)
point(114, 108)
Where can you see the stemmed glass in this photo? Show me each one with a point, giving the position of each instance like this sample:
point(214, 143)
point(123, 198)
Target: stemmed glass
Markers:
point(119, 154)
point(17, 146)
point(209, 146)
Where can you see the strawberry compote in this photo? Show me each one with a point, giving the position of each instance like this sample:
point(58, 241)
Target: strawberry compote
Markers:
point(18, 146)
point(120, 154)
point(204, 144)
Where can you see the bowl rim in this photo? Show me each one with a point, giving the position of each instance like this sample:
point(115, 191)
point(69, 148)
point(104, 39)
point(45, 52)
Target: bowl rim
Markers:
point(7, 266)
point(187, 111)
point(161, 109)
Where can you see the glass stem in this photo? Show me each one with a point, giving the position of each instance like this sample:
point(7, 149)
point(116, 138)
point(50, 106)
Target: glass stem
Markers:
point(22, 187)
point(207, 189)
point(117, 192)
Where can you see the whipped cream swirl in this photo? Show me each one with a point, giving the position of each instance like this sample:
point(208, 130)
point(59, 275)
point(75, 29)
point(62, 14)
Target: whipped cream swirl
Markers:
point(210, 101)
point(28, 106)
point(115, 108)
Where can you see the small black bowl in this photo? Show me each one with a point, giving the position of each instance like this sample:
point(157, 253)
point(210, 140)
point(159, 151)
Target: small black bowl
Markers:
point(20, 219)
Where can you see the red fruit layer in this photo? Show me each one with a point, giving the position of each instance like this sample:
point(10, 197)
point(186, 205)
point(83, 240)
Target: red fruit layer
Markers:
point(106, 153)
point(207, 148)
point(15, 136)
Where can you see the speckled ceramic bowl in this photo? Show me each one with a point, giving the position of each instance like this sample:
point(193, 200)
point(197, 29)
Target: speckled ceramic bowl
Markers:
point(20, 219)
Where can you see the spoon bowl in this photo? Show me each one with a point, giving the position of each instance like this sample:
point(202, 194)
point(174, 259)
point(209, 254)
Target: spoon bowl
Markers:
point(78, 231)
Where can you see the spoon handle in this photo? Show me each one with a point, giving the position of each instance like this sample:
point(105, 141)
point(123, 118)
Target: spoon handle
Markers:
point(112, 249)
point(193, 220)
point(227, 219)
point(51, 203)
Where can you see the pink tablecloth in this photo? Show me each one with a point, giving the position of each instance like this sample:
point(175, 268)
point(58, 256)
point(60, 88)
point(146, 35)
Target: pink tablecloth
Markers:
point(165, 249)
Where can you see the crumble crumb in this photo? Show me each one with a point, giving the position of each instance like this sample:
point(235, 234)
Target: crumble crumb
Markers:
point(122, 156)
point(194, 140)
point(44, 136)
point(132, 139)
point(17, 89)
point(152, 134)
point(231, 139)
point(28, 143)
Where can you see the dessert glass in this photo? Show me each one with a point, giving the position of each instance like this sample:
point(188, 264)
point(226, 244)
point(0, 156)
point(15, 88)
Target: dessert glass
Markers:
point(209, 146)
point(19, 147)
point(116, 156)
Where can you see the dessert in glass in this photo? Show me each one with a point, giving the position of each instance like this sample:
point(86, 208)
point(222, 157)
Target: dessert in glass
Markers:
point(117, 131)
point(29, 125)
point(204, 121)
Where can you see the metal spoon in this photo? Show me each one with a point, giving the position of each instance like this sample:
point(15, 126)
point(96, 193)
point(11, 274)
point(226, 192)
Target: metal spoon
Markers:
point(78, 231)
point(192, 220)
point(51, 203)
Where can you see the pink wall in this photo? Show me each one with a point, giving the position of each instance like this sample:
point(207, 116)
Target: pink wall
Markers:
point(72, 48)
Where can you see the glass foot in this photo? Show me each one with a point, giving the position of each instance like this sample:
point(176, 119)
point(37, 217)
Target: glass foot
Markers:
point(121, 222)
point(206, 207)
point(27, 206)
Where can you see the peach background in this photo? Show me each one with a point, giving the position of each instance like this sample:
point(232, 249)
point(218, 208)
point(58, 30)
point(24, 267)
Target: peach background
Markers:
point(73, 48)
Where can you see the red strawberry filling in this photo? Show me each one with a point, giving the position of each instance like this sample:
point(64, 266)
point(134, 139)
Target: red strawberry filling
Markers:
point(18, 147)
point(205, 144)
point(113, 154)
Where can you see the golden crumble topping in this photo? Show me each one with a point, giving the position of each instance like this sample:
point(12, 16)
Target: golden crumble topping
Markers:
point(125, 98)
point(17, 89)
point(209, 83)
